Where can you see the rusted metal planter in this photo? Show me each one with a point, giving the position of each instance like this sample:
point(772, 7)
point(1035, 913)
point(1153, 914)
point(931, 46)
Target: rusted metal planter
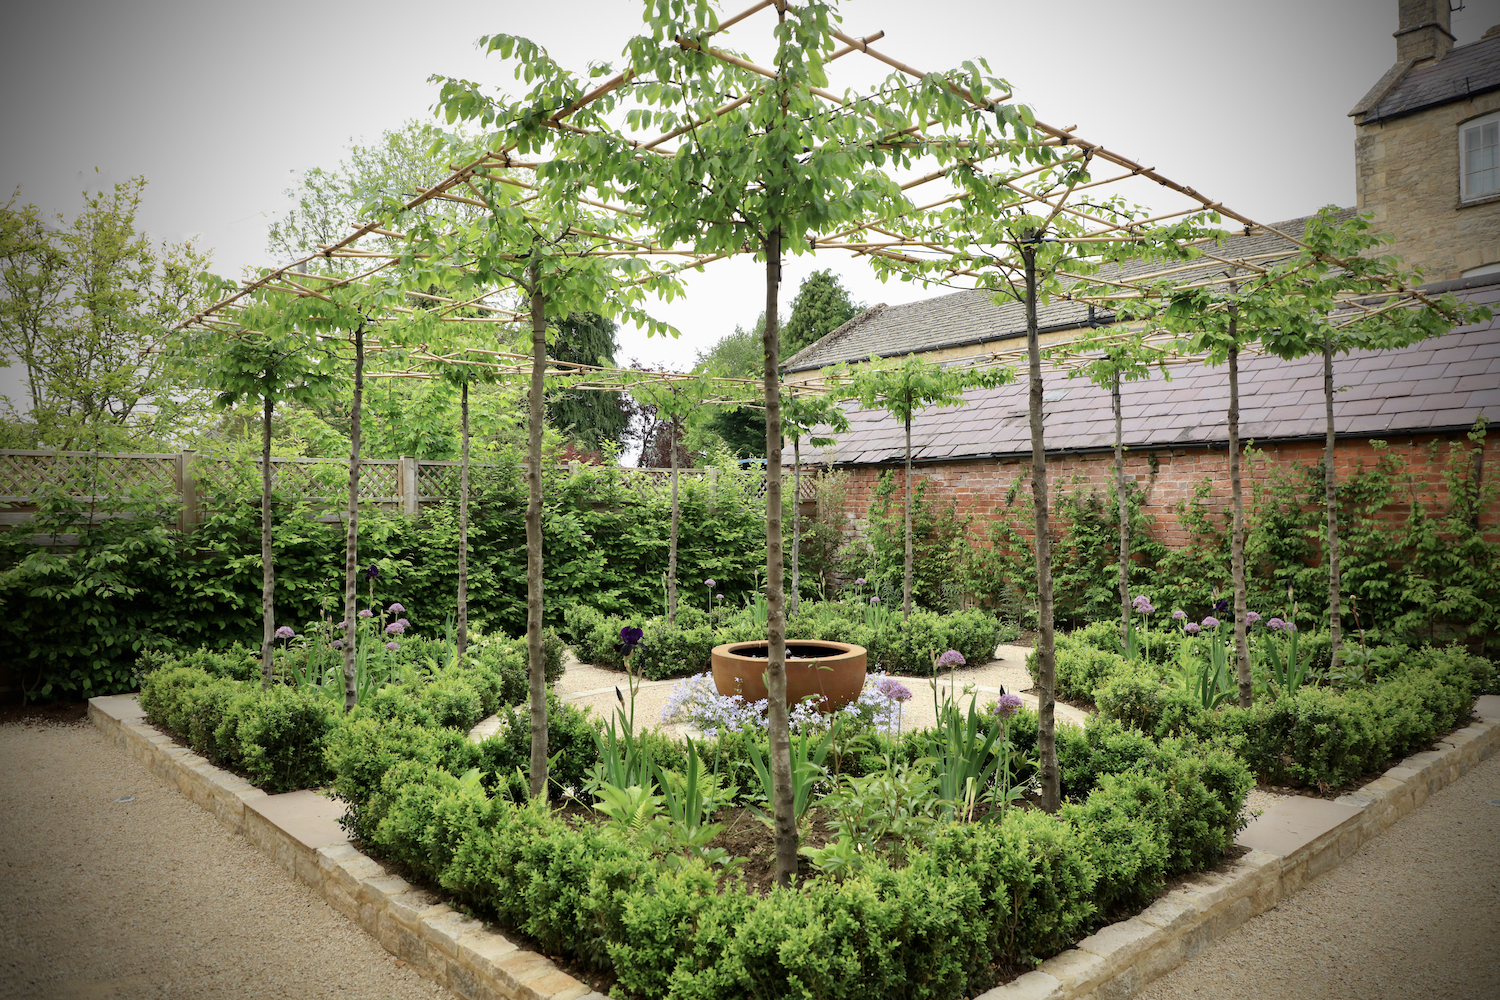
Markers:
point(833, 671)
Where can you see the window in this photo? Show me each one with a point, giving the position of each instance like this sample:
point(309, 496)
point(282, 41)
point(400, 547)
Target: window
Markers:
point(1479, 158)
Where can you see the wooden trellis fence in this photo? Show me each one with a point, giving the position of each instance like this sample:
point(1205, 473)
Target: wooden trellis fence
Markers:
point(102, 480)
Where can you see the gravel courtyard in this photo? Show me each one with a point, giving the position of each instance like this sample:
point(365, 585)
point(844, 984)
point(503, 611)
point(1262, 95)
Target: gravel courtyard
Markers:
point(151, 897)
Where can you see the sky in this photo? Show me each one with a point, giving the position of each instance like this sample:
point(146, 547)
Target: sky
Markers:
point(223, 106)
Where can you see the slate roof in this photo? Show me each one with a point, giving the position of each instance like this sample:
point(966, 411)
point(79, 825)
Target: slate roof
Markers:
point(1438, 385)
point(1462, 72)
point(967, 317)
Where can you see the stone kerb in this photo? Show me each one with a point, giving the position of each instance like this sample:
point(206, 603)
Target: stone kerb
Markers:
point(1120, 959)
point(437, 941)
point(457, 951)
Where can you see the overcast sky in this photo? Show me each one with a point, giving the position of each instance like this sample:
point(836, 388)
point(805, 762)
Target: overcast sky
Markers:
point(222, 106)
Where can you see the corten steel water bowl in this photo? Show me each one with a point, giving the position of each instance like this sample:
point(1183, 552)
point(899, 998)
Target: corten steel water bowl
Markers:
point(835, 671)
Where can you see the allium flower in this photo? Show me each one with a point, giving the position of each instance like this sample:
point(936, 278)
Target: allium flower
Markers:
point(1007, 705)
point(860, 582)
point(1275, 624)
point(710, 584)
point(1210, 622)
point(396, 628)
point(341, 626)
point(1191, 628)
point(1179, 615)
point(893, 690)
point(718, 597)
point(1251, 617)
point(338, 644)
point(285, 632)
point(403, 623)
point(874, 600)
point(393, 646)
point(630, 638)
point(395, 609)
point(366, 613)
point(952, 658)
point(1289, 626)
point(1142, 603)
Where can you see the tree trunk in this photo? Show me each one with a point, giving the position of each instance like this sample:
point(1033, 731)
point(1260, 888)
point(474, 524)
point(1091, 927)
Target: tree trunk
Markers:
point(796, 600)
point(1330, 497)
point(1046, 662)
point(778, 720)
point(267, 556)
point(1124, 515)
point(461, 618)
point(1237, 535)
point(906, 503)
point(672, 537)
point(351, 537)
point(537, 668)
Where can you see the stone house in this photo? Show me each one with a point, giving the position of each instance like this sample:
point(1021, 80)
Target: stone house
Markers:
point(1425, 154)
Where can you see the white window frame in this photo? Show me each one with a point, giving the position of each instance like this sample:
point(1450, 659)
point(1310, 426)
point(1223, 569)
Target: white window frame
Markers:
point(1463, 167)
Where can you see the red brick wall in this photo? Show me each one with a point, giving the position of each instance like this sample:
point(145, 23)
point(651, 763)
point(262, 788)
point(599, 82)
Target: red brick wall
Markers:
point(979, 487)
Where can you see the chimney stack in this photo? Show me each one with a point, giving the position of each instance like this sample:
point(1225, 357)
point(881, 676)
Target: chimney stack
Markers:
point(1424, 33)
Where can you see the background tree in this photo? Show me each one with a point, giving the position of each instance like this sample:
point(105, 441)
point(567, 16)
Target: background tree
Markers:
point(902, 386)
point(822, 305)
point(742, 429)
point(87, 311)
point(594, 421)
point(800, 415)
point(1336, 265)
point(1115, 357)
point(275, 358)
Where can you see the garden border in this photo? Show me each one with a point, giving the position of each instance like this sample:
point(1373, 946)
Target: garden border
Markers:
point(456, 951)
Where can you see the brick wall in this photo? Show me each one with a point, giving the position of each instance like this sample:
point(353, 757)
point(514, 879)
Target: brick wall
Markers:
point(1169, 477)
point(1406, 172)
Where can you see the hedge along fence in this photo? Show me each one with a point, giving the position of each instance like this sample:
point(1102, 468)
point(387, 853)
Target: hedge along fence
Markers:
point(78, 620)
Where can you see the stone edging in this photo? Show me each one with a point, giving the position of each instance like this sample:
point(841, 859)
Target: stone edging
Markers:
point(456, 951)
point(1119, 959)
point(436, 940)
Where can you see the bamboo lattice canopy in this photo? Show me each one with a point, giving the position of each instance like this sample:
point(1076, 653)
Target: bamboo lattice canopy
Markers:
point(985, 158)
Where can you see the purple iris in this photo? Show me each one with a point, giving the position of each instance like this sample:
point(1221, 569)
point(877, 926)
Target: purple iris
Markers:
point(372, 572)
point(630, 638)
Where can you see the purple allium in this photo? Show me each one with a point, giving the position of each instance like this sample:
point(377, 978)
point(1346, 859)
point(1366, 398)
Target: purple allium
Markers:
point(1191, 628)
point(403, 623)
point(395, 609)
point(1142, 603)
point(1251, 617)
point(860, 582)
point(874, 600)
point(1290, 626)
point(1275, 624)
point(1007, 705)
point(341, 626)
point(393, 645)
point(1179, 615)
point(710, 584)
point(366, 613)
point(893, 690)
point(1210, 622)
point(952, 658)
point(285, 632)
point(338, 644)
point(718, 597)
point(396, 628)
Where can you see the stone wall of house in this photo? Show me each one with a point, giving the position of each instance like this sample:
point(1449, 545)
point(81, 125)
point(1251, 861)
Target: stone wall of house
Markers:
point(1406, 172)
point(1171, 476)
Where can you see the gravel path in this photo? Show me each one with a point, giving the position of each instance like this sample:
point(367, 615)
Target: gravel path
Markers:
point(1413, 914)
point(151, 897)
